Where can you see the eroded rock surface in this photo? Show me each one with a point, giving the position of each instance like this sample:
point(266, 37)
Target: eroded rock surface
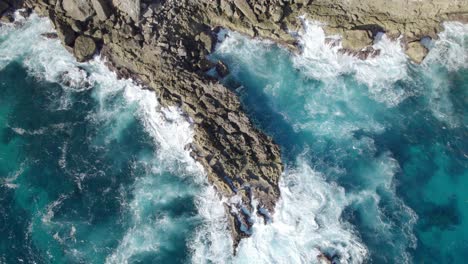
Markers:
point(163, 44)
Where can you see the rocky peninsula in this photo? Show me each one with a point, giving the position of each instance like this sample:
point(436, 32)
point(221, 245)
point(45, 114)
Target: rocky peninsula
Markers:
point(163, 44)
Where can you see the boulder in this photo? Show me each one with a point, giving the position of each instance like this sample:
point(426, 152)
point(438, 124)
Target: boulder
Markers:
point(102, 9)
point(416, 51)
point(129, 7)
point(78, 9)
point(226, 8)
point(85, 48)
point(356, 39)
point(207, 40)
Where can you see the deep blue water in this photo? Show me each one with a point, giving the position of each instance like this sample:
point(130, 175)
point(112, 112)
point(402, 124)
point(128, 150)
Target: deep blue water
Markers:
point(92, 170)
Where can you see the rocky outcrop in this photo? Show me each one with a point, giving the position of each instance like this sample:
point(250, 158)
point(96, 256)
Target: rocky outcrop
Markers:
point(274, 19)
point(163, 44)
point(416, 51)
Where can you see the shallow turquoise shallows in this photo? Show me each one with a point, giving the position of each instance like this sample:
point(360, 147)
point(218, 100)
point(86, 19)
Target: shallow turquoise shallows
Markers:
point(94, 170)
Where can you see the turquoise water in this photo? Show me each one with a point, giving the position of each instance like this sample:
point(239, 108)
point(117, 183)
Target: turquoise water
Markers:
point(84, 178)
point(93, 170)
point(397, 143)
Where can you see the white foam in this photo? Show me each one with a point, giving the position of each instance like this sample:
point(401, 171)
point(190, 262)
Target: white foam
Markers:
point(450, 52)
point(120, 101)
point(451, 49)
point(306, 224)
point(322, 61)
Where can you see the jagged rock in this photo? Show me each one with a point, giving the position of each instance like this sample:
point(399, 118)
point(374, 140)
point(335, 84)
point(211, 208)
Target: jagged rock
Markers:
point(416, 51)
point(79, 10)
point(102, 9)
point(245, 8)
point(84, 48)
point(356, 39)
point(207, 40)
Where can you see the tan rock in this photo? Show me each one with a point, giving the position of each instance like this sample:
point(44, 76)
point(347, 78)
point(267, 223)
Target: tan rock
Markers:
point(416, 51)
point(356, 39)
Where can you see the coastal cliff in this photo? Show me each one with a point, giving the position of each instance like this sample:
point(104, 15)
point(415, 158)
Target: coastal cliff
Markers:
point(163, 45)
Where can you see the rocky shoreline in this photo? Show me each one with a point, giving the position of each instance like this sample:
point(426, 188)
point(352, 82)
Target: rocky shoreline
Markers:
point(163, 44)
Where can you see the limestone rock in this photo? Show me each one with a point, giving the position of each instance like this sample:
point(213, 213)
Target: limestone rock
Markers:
point(84, 48)
point(416, 51)
point(356, 39)
point(78, 9)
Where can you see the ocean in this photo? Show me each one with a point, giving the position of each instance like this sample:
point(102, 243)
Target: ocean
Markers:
point(94, 170)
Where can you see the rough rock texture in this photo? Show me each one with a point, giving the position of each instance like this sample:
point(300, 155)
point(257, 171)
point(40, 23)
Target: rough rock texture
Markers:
point(163, 44)
point(356, 39)
point(416, 51)
point(84, 48)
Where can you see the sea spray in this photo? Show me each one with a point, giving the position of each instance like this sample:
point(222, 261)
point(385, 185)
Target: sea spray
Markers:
point(354, 119)
point(160, 188)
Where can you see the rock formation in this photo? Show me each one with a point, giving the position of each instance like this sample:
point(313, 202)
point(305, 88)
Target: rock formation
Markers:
point(163, 44)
